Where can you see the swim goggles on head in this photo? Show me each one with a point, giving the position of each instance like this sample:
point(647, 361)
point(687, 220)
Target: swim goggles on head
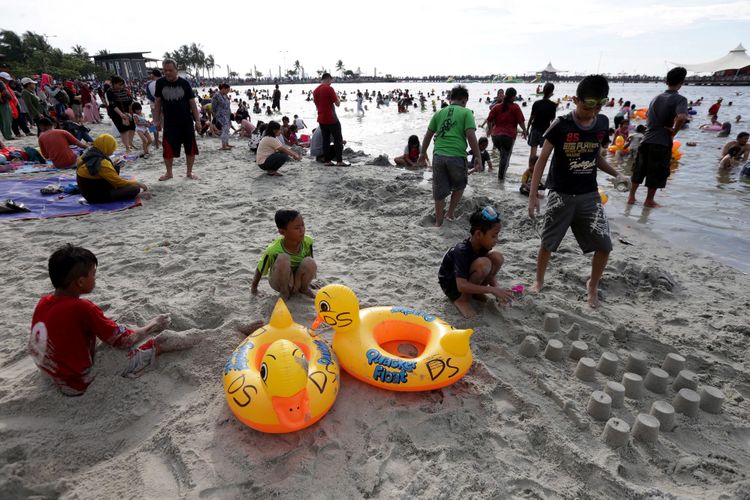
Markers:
point(490, 214)
point(594, 103)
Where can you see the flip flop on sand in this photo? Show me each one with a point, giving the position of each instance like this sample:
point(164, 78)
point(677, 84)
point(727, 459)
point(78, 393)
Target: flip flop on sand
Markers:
point(343, 164)
point(329, 164)
point(165, 177)
point(274, 173)
point(192, 176)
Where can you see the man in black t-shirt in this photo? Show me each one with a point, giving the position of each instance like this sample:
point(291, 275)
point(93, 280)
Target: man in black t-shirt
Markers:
point(542, 113)
point(276, 104)
point(175, 110)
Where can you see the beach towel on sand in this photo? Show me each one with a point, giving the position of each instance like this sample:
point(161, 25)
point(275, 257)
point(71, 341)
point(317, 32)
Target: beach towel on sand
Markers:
point(42, 206)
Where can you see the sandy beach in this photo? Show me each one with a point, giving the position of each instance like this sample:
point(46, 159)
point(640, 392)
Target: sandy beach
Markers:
point(514, 427)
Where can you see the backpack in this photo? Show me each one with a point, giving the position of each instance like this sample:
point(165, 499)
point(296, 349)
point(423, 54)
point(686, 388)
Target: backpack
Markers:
point(151, 97)
point(61, 96)
point(254, 141)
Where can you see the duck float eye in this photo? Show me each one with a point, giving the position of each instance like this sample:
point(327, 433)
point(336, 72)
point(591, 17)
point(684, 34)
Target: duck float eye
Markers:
point(324, 306)
point(263, 372)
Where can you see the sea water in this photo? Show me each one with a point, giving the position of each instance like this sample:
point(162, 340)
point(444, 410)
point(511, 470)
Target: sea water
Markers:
point(705, 209)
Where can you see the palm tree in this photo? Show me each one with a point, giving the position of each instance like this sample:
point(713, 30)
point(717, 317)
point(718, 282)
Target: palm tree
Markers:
point(258, 74)
point(297, 68)
point(196, 57)
point(80, 51)
point(210, 65)
point(340, 66)
point(11, 45)
point(104, 52)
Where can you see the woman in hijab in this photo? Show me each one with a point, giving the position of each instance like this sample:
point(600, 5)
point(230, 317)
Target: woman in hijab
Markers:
point(99, 178)
point(90, 108)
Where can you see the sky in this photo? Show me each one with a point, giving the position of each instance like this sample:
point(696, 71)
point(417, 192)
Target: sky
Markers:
point(407, 37)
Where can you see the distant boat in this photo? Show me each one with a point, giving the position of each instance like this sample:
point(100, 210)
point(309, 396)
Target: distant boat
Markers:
point(449, 80)
point(512, 79)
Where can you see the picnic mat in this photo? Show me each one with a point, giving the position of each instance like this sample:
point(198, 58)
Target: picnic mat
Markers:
point(47, 206)
point(29, 168)
point(34, 168)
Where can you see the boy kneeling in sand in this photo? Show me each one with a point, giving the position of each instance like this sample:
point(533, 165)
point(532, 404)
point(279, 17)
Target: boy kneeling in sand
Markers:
point(288, 261)
point(65, 327)
point(469, 269)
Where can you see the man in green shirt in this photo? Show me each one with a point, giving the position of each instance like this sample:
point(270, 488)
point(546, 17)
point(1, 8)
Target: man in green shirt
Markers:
point(32, 101)
point(452, 126)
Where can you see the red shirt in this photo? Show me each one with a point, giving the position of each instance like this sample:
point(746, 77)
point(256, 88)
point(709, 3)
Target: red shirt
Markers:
point(63, 339)
point(505, 121)
point(714, 109)
point(325, 98)
point(55, 146)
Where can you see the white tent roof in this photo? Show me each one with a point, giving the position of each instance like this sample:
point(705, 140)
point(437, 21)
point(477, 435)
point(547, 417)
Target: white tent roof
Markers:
point(551, 69)
point(735, 59)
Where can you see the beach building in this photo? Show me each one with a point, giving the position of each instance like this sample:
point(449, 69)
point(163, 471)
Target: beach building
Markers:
point(129, 65)
point(732, 69)
point(549, 72)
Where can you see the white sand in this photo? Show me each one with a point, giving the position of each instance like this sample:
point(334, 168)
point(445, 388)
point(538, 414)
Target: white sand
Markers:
point(513, 427)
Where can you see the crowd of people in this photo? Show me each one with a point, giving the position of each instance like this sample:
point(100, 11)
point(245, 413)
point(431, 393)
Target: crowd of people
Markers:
point(573, 143)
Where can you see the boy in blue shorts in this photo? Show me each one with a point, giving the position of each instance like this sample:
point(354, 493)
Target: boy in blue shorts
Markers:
point(469, 269)
point(573, 200)
point(288, 261)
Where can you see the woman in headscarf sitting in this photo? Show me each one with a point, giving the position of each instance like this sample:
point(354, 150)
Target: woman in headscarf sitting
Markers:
point(99, 178)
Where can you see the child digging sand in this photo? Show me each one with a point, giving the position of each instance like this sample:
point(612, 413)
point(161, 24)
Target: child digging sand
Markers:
point(469, 269)
point(573, 200)
point(288, 261)
point(65, 327)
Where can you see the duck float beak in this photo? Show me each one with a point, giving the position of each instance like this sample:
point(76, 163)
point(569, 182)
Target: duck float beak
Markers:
point(292, 411)
point(318, 321)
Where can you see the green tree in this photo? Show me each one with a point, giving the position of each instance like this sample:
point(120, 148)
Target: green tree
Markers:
point(340, 67)
point(30, 54)
point(210, 65)
point(80, 51)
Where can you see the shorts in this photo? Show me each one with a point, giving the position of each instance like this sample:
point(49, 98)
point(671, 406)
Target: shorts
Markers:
point(121, 127)
point(449, 174)
point(450, 289)
point(173, 140)
point(536, 137)
point(584, 214)
point(652, 164)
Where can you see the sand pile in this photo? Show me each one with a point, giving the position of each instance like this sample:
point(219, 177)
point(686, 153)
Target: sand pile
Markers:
point(514, 426)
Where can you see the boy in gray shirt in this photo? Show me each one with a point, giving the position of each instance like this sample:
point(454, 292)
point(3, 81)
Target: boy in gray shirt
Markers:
point(667, 113)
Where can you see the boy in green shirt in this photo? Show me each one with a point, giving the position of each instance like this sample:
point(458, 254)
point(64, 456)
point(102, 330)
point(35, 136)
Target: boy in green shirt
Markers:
point(288, 261)
point(452, 126)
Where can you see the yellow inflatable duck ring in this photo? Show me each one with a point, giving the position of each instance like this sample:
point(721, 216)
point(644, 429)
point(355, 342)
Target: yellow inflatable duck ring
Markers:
point(394, 348)
point(280, 378)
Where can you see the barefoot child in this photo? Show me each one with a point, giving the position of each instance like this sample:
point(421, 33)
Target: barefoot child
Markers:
point(573, 200)
point(288, 261)
point(65, 327)
point(411, 153)
point(483, 142)
point(470, 268)
point(142, 127)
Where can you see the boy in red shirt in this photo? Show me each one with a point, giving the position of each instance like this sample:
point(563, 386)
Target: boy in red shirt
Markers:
point(65, 327)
